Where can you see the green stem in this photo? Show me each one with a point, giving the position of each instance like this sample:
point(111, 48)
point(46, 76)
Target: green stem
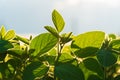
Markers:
point(105, 73)
point(59, 49)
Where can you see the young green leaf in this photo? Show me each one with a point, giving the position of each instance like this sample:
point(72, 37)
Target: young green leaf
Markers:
point(9, 35)
point(22, 39)
point(52, 31)
point(58, 21)
point(34, 70)
point(43, 43)
point(68, 72)
point(87, 44)
point(2, 31)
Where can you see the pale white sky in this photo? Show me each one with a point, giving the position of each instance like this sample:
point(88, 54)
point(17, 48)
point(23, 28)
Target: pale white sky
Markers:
point(30, 16)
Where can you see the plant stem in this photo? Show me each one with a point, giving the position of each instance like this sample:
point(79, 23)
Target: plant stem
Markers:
point(105, 73)
point(59, 49)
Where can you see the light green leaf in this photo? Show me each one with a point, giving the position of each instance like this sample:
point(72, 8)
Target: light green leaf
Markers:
point(25, 40)
point(93, 65)
point(34, 70)
point(65, 57)
point(2, 31)
point(9, 35)
point(88, 43)
point(43, 43)
point(68, 72)
point(58, 21)
point(16, 53)
point(52, 31)
point(113, 36)
point(106, 57)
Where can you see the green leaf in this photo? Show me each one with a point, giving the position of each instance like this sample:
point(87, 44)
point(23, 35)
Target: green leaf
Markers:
point(2, 31)
point(68, 72)
point(66, 37)
point(5, 45)
point(106, 57)
point(52, 31)
point(65, 57)
point(94, 66)
point(94, 77)
point(88, 43)
point(58, 21)
point(15, 63)
point(115, 44)
point(9, 35)
point(43, 43)
point(22, 39)
point(113, 36)
point(3, 67)
point(16, 53)
point(34, 70)
point(86, 71)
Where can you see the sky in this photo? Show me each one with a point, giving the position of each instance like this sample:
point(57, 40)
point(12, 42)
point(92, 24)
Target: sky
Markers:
point(30, 16)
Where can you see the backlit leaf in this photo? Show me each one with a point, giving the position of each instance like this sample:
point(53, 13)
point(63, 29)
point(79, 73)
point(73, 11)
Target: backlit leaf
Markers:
point(2, 31)
point(58, 21)
point(9, 35)
point(52, 31)
point(43, 43)
point(88, 43)
point(115, 44)
point(24, 40)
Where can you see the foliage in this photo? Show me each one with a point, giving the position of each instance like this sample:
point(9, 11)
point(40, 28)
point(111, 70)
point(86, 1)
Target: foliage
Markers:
point(54, 55)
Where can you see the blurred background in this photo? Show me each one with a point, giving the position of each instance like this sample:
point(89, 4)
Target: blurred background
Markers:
point(30, 16)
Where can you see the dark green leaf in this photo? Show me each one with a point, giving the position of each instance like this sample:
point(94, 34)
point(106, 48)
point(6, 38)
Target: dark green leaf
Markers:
point(93, 65)
point(14, 62)
point(34, 70)
point(87, 44)
point(3, 67)
point(86, 71)
point(106, 57)
point(52, 31)
point(43, 43)
point(5, 45)
point(58, 21)
point(68, 72)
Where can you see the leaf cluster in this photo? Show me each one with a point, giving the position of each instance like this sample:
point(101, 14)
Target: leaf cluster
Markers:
point(54, 55)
